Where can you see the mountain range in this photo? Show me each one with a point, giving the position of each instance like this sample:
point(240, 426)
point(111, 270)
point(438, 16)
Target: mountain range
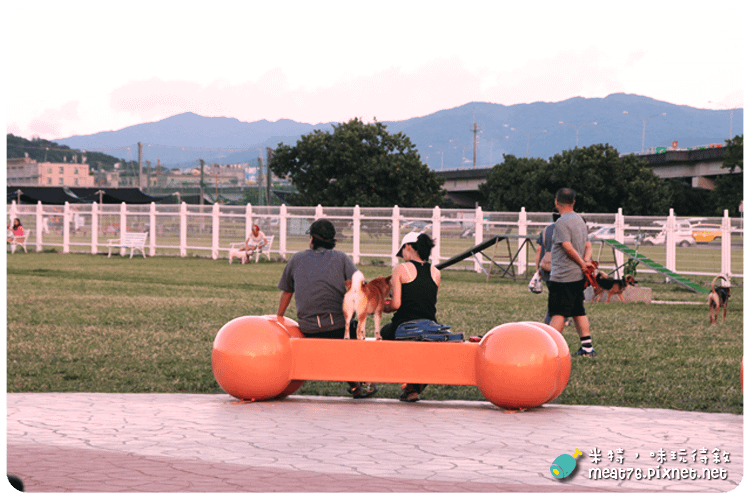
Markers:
point(444, 139)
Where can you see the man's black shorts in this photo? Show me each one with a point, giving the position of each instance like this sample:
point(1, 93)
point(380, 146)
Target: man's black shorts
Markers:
point(566, 299)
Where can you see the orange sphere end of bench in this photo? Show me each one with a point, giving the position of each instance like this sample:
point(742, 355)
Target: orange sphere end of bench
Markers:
point(252, 358)
point(518, 366)
point(563, 352)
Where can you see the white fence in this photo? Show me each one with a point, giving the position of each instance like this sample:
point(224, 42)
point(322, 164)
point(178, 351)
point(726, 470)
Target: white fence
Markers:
point(372, 235)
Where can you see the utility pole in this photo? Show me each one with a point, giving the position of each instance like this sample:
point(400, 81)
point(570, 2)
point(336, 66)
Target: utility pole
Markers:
point(475, 129)
point(201, 160)
point(259, 180)
point(140, 164)
point(269, 155)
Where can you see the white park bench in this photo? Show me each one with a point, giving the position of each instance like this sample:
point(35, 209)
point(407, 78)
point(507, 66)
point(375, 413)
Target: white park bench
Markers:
point(235, 252)
point(134, 241)
point(16, 241)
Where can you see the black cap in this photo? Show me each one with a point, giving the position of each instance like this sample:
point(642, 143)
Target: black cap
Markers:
point(323, 230)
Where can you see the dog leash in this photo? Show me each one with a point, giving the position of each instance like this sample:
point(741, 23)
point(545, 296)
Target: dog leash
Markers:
point(590, 275)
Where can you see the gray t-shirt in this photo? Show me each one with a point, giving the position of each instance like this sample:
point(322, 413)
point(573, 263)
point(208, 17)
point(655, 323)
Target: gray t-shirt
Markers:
point(316, 278)
point(569, 227)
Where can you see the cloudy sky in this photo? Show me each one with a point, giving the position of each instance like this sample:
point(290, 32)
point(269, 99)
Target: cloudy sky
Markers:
point(81, 67)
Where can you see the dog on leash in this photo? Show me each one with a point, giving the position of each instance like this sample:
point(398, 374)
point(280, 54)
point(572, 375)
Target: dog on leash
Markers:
point(717, 299)
point(364, 298)
point(611, 286)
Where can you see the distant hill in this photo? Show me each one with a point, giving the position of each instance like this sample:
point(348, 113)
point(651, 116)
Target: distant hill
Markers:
point(442, 137)
point(43, 150)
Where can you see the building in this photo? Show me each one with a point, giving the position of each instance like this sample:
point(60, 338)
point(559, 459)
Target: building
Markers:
point(28, 172)
point(213, 175)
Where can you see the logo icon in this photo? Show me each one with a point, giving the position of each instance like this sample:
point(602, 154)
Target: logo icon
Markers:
point(564, 465)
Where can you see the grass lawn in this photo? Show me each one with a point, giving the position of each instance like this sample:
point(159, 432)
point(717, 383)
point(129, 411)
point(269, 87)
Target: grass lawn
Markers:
point(83, 323)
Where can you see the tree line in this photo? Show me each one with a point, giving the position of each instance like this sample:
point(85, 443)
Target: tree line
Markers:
point(363, 164)
point(43, 150)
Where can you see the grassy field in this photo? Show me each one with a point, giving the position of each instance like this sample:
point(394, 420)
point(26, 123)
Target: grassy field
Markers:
point(83, 323)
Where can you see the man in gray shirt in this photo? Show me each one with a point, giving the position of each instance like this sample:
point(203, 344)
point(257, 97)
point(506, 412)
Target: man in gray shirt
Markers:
point(315, 277)
point(571, 257)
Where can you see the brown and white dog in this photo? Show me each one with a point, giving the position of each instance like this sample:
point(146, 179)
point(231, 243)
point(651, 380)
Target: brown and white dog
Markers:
point(611, 286)
point(717, 299)
point(365, 298)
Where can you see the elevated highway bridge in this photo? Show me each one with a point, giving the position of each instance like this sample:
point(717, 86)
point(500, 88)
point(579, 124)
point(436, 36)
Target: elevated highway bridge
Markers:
point(697, 164)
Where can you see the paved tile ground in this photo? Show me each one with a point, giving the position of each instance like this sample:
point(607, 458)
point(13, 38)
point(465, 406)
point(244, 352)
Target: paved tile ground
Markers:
point(81, 442)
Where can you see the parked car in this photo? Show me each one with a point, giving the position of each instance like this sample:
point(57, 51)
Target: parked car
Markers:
point(608, 233)
point(417, 225)
point(706, 232)
point(683, 235)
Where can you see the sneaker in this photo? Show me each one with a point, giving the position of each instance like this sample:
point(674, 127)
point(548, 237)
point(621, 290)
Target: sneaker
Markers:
point(409, 396)
point(581, 352)
point(364, 391)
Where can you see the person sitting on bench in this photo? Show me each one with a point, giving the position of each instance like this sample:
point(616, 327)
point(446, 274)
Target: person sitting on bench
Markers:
point(15, 234)
point(255, 241)
point(415, 287)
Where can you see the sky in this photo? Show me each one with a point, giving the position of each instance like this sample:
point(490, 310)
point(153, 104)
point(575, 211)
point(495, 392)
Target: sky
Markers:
point(82, 67)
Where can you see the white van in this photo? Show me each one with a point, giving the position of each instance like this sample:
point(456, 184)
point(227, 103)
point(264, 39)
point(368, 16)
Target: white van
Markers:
point(683, 235)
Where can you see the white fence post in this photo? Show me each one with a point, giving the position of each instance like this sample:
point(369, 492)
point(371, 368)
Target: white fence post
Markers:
point(282, 232)
point(12, 212)
point(94, 228)
point(152, 229)
point(522, 230)
point(123, 223)
point(356, 219)
point(726, 245)
point(39, 225)
point(436, 235)
point(183, 229)
point(66, 228)
point(248, 221)
point(395, 234)
point(620, 237)
point(216, 224)
point(319, 212)
point(671, 241)
point(478, 236)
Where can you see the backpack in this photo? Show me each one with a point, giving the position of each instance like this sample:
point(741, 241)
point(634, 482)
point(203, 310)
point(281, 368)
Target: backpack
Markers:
point(546, 262)
point(426, 330)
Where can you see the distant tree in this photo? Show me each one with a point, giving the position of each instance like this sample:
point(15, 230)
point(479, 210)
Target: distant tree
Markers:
point(689, 200)
point(727, 193)
point(43, 150)
point(602, 180)
point(357, 164)
point(516, 183)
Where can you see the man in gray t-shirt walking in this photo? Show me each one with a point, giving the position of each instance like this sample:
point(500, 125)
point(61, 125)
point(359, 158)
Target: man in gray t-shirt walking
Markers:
point(571, 257)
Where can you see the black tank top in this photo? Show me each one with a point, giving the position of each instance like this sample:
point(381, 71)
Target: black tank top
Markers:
point(418, 297)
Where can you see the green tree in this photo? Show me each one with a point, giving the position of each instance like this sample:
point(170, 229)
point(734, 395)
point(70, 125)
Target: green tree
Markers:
point(515, 183)
point(357, 164)
point(727, 193)
point(602, 180)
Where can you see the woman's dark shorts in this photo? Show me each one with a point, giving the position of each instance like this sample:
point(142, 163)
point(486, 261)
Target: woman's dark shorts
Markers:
point(566, 299)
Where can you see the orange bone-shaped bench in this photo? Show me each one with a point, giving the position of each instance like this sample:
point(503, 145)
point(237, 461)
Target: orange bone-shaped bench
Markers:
point(516, 365)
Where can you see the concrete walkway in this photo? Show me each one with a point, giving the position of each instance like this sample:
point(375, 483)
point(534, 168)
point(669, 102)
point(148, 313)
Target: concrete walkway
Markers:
point(81, 442)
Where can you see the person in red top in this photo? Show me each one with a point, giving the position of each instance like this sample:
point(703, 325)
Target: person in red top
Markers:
point(255, 240)
point(17, 231)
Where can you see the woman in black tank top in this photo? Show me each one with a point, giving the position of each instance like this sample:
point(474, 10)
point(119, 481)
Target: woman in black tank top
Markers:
point(415, 286)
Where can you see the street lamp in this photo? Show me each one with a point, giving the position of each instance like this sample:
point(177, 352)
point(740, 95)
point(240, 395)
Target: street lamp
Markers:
point(491, 144)
point(528, 137)
point(643, 137)
point(441, 153)
point(577, 128)
point(179, 199)
point(731, 112)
